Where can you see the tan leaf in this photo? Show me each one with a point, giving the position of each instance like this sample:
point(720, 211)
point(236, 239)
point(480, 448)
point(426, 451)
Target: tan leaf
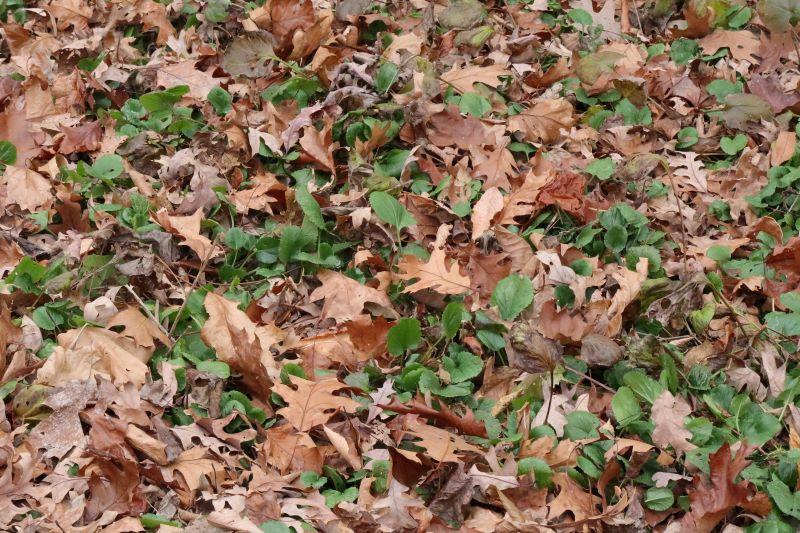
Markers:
point(288, 16)
point(742, 44)
point(319, 146)
point(87, 352)
point(440, 445)
point(188, 227)
point(434, 274)
point(345, 297)
point(392, 510)
point(449, 128)
point(668, 414)
point(463, 78)
point(783, 148)
point(239, 343)
point(572, 498)
point(151, 447)
point(495, 164)
point(138, 327)
point(26, 188)
point(343, 447)
point(484, 211)
point(185, 73)
point(409, 42)
point(313, 402)
point(85, 137)
point(193, 466)
point(544, 121)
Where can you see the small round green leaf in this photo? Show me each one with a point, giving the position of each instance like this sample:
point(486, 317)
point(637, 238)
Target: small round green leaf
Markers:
point(512, 296)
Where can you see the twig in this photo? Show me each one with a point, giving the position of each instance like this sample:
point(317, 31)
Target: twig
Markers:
point(591, 379)
point(683, 226)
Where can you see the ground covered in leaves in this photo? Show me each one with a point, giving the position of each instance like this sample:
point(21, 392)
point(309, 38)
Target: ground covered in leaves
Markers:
point(401, 265)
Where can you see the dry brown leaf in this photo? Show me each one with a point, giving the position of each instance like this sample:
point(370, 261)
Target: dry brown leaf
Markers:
point(462, 79)
point(138, 327)
point(440, 444)
point(668, 414)
point(313, 402)
point(188, 227)
point(239, 343)
point(434, 274)
point(743, 44)
point(485, 210)
point(544, 120)
point(783, 148)
point(27, 189)
point(345, 297)
point(186, 73)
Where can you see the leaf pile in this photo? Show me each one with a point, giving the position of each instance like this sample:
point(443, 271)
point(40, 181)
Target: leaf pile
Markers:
point(406, 265)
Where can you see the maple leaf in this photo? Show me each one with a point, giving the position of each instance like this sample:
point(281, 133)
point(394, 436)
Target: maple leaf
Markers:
point(433, 274)
point(544, 120)
point(313, 402)
point(668, 414)
point(345, 297)
point(464, 78)
point(714, 496)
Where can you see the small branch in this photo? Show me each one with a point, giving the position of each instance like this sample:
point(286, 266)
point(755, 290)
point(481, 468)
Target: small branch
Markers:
point(149, 314)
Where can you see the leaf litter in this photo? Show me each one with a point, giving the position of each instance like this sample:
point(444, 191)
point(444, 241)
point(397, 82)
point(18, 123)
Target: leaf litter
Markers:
point(412, 265)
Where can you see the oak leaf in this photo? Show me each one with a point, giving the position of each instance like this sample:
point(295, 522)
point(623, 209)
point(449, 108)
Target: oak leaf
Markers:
point(313, 402)
point(186, 73)
point(138, 327)
point(463, 78)
point(544, 121)
point(572, 498)
point(345, 297)
point(440, 445)
point(434, 274)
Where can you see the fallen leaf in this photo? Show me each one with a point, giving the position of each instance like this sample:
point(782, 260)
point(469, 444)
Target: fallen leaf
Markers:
point(188, 227)
point(544, 120)
point(27, 189)
point(345, 298)
point(313, 402)
point(668, 413)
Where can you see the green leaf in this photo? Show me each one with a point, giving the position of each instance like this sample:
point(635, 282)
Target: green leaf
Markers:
point(217, 10)
point(683, 50)
point(616, 238)
point(786, 323)
point(221, 100)
point(8, 153)
point(581, 425)
point(643, 385)
point(720, 89)
point(474, 104)
point(163, 100)
point(309, 204)
point(791, 300)
point(153, 521)
point(292, 241)
point(404, 336)
point(462, 366)
point(218, 368)
point(581, 16)
point(719, 253)
point(388, 209)
point(311, 479)
point(387, 75)
point(733, 145)
point(625, 406)
point(512, 295)
point(601, 169)
point(542, 472)
point(787, 501)
point(701, 318)
point(107, 167)
point(451, 319)
point(274, 526)
point(659, 499)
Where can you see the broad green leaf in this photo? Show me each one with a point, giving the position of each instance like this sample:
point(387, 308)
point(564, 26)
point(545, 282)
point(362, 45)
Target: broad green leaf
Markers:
point(221, 100)
point(733, 145)
point(451, 319)
point(581, 425)
point(292, 241)
point(8, 153)
point(388, 209)
point(474, 104)
point(108, 167)
point(154, 521)
point(217, 10)
point(218, 368)
point(512, 295)
point(462, 366)
point(404, 336)
point(719, 253)
point(387, 75)
point(643, 385)
point(601, 169)
point(275, 526)
point(616, 238)
point(542, 472)
point(581, 16)
point(625, 406)
point(309, 204)
point(659, 499)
